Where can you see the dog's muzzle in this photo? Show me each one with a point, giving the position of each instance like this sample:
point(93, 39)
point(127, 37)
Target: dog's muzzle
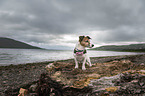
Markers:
point(91, 45)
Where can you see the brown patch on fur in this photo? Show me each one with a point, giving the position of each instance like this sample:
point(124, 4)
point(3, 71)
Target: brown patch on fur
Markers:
point(84, 41)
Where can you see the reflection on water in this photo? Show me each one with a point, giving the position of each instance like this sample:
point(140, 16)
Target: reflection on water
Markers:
point(22, 56)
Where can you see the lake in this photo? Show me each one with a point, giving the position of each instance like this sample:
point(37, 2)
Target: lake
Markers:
point(23, 56)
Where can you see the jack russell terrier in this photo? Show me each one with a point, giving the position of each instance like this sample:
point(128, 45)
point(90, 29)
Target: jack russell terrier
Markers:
point(80, 51)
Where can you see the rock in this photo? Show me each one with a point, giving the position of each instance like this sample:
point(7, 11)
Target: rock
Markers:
point(142, 64)
point(104, 82)
point(137, 91)
point(133, 86)
point(50, 66)
point(127, 77)
point(111, 89)
point(126, 61)
point(104, 94)
point(49, 87)
point(34, 94)
point(134, 81)
point(141, 71)
point(57, 75)
point(4, 82)
point(23, 92)
point(94, 76)
point(33, 87)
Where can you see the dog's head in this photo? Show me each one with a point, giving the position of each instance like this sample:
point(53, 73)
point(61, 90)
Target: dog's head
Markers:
point(85, 41)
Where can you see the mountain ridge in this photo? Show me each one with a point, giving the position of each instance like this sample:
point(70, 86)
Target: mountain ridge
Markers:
point(129, 48)
point(15, 44)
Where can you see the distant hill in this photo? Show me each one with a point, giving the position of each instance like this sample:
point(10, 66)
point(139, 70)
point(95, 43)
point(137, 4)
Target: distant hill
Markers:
point(129, 48)
point(10, 43)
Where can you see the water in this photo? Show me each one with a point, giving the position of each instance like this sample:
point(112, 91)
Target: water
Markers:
point(23, 56)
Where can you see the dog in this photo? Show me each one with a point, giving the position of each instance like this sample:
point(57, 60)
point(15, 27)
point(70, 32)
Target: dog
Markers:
point(81, 52)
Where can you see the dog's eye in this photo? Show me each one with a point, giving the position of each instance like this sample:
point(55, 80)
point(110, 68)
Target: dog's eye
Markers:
point(87, 41)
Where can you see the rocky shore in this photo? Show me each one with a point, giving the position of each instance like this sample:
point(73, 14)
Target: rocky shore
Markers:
point(114, 76)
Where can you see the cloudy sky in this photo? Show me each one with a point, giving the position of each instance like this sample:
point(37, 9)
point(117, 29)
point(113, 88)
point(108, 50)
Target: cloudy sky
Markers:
point(58, 23)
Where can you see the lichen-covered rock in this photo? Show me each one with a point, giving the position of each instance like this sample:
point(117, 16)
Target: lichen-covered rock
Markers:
point(105, 78)
point(77, 78)
point(111, 89)
point(104, 82)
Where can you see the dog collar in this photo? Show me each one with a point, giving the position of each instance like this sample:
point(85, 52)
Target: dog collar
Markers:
point(79, 52)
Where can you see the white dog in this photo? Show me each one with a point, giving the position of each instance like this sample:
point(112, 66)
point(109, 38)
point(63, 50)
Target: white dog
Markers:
point(80, 51)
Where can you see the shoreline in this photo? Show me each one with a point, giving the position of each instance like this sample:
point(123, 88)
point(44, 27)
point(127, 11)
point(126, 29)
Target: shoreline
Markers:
point(43, 62)
point(14, 77)
point(8, 60)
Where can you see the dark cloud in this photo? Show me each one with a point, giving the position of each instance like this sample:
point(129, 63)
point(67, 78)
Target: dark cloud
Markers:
point(50, 21)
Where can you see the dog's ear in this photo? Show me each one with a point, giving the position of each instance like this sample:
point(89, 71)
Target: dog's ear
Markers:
point(81, 38)
point(88, 37)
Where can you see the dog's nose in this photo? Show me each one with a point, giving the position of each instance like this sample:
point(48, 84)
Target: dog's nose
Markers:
point(92, 45)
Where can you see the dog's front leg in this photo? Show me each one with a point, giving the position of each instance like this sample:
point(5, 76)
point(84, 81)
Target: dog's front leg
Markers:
point(76, 62)
point(83, 65)
point(88, 59)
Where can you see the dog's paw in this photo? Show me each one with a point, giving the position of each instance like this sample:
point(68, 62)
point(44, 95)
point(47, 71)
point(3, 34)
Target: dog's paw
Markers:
point(76, 67)
point(90, 65)
point(83, 68)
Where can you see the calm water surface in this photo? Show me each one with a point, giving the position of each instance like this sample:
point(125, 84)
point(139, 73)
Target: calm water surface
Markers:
point(23, 56)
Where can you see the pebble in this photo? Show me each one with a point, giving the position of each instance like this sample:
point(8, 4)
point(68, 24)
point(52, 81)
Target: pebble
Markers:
point(142, 64)
point(33, 87)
